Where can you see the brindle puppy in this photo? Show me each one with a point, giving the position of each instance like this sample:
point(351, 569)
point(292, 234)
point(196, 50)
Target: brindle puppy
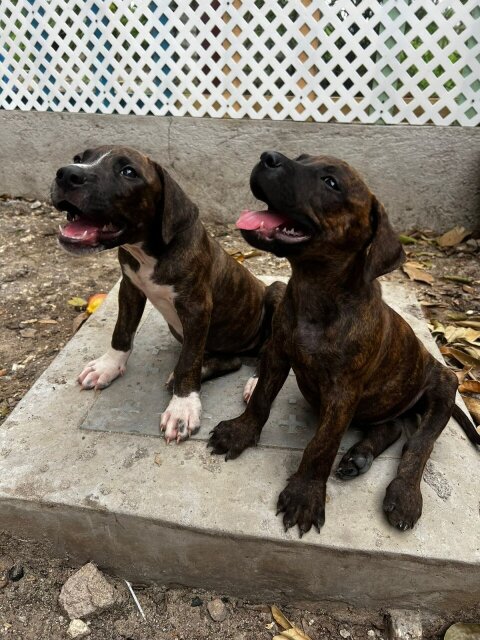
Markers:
point(117, 197)
point(355, 359)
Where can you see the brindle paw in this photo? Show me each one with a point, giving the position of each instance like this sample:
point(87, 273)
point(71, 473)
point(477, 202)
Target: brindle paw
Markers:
point(402, 504)
point(231, 437)
point(303, 503)
point(353, 464)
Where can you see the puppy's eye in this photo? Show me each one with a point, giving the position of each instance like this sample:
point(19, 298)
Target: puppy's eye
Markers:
point(77, 159)
point(128, 172)
point(331, 182)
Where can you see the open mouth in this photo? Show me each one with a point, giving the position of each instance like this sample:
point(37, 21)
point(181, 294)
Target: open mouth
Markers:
point(85, 232)
point(270, 225)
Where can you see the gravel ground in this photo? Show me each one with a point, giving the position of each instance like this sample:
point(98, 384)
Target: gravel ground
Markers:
point(37, 279)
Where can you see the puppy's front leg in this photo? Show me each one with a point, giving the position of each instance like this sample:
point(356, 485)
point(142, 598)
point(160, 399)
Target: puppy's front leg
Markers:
point(181, 418)
point(99, 373)
point(303, 499)
point(231, 437)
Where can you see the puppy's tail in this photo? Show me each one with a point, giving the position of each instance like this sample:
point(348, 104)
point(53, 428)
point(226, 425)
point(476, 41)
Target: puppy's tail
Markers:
point(468, 426)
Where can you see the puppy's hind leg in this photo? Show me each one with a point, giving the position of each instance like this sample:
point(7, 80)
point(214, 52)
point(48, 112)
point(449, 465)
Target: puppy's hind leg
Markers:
point(403, 499)
point(359, 458)
point(273, 295)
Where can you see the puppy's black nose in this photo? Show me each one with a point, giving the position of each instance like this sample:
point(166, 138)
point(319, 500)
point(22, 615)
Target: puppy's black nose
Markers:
point(271, 159)
point(71, 176)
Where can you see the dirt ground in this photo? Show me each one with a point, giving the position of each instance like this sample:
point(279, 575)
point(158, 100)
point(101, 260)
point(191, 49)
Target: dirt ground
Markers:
point(37, 279)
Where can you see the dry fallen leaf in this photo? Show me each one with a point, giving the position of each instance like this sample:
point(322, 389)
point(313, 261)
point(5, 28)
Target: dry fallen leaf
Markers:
point(47, 321)
point(78, 321)
point(240, 256)
point(462, 357)
point(157, 459)
point(469, 386)
point(475, 324)
point(280, 618)
point(290, 631)
point(453, 237)
point(415, 271)
point(456, 334)
point(462, 374)
point(473, 405)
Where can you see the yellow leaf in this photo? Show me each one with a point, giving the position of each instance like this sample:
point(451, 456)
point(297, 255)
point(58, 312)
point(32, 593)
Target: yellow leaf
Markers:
point(78, 302)
point(95, 301)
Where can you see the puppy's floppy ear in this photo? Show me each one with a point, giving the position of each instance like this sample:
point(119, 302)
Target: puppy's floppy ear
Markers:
point(385, 252)
point(177, 211)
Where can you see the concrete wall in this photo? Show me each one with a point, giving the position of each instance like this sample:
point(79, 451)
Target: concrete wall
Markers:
point(426, 176)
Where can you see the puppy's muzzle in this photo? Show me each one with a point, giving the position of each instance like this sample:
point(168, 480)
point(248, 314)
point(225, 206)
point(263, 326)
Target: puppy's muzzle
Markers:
point(272, 159)
point(70, 177)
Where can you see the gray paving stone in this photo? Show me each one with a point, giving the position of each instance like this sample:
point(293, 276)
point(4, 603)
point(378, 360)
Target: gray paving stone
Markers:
point(88, 471)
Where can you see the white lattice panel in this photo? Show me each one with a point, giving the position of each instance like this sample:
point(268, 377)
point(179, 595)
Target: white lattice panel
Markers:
point(369, 61)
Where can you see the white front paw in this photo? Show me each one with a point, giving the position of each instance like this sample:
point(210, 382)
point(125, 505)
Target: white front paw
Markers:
point(181, 418)
point(99, 373)
point(249, 388)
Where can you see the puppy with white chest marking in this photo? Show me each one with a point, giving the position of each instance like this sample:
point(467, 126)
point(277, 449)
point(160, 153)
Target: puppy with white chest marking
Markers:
point(118, 197)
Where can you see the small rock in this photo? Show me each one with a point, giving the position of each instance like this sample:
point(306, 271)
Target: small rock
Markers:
point(16, 573)
point(3, 579)
point(36, 204)
point(196, 602)
point(472, 244)
point(217, 610)
point(28, 333)
point(344, 633)
point(371, 633)
point(403, 624)
point(78, 628)
point(6, 563)
point(87, 593)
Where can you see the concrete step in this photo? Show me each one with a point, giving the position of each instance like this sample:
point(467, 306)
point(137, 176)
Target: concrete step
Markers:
point(88, 471)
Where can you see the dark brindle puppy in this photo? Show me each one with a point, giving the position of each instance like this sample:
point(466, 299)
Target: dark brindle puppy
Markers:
point(117, 197)
point(355, 359)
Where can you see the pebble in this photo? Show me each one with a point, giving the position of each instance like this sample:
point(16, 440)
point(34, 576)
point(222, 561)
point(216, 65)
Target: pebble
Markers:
point(36, 204)
point(217, 610)
point(87, 592)
point(344, 633)
point(78, 629)
point(371, 633)
point(16, 573)
point(196, 602)
point(403, 624)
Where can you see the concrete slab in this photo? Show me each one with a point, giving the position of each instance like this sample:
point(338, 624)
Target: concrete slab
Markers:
point(72, 470)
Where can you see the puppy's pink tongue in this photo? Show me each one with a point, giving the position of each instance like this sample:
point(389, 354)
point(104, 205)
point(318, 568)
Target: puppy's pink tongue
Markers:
point(251, 220)
point(80, 231)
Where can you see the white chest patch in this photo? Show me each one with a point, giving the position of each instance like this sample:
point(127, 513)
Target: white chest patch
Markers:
point(162, 296)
